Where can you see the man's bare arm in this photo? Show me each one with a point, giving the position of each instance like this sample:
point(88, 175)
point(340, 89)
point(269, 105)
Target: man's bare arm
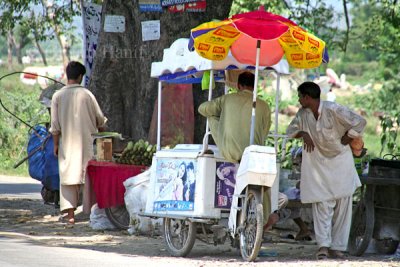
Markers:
point(308, 142)
point(56, 139)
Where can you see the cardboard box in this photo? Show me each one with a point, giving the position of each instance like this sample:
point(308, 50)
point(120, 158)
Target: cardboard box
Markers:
point(104, 149)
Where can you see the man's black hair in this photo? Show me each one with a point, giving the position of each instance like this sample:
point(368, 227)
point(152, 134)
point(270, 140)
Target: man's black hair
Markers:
point(190, 166)
point(74, 69)
point(311, 89)
point(246, 79)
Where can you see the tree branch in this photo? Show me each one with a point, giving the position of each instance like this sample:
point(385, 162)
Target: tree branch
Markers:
point(286, 4)
point(346, 15)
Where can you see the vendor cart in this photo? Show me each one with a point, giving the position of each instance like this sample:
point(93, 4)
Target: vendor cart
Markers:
point(377, 214)
point(189, 185)
point(186, 187)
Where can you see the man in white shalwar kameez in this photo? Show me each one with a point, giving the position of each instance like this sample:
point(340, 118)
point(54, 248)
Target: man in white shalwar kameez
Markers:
point(75, 116)
point(328, 174)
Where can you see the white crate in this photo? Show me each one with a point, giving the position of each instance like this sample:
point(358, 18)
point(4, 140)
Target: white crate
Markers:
point(258, 165)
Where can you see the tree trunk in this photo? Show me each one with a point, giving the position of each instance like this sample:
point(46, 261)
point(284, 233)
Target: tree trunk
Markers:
point(42, 54)
point(36, 39)
point(121, 73)
point(65, 48)
point(10, 44)
point(20, 42)
point(18, 53)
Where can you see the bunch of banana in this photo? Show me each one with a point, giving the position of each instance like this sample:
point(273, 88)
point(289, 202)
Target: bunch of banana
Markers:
point(139, 153)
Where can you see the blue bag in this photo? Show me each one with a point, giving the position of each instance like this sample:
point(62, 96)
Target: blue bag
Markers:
point(43, 165)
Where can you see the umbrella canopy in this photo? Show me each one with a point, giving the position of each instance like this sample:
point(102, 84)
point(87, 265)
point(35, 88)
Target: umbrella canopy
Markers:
point(275, 35)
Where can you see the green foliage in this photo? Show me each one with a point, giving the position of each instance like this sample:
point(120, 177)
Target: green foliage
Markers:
point(376, 30)
point(22, 101)
point(385, 100)
point(286, 159)
point(365, 70)
point(12, 12)
point(390, 130)
point(39, 21)
point(240, 6)
point(263, 95)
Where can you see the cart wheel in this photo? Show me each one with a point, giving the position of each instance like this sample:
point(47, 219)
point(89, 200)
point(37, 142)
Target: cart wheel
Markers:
point(118, 216)
point(362, 224)
point(179, 235)
point(386, 246)
point(252, 219)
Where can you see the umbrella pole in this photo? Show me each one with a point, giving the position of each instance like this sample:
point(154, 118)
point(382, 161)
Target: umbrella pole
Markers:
point(253, 110)
point(277, 111)
point(205, 139)
point(159, 116)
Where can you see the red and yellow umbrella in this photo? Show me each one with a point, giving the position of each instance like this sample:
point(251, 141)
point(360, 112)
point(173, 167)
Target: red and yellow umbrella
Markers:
point(273, 35)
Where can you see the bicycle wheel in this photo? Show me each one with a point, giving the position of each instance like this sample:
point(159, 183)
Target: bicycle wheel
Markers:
point(118, 216)
point(179, 236)
point(362, 226)
point(252, 218)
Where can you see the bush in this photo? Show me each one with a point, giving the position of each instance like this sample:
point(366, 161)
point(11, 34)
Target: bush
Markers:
point(22, 101)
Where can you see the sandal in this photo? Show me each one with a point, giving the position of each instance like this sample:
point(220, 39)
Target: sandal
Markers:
point(336, 254)
point(64, 219)
point(322, 254)
point(303, 237)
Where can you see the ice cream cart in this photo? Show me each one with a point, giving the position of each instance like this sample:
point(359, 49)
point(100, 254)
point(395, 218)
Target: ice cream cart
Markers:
point(193, 188)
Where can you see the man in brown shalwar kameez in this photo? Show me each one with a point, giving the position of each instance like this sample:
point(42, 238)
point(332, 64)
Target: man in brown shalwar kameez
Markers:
point(75, 116)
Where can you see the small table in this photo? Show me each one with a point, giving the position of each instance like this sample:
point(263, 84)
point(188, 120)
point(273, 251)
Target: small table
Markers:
point(105, 186)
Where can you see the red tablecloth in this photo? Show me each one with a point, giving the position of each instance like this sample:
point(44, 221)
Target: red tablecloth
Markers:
point(106, 179)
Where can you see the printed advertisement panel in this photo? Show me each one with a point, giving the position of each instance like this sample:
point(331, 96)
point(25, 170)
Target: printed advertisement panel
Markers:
point(91, 14)
point(225, 184)
point(175, 2)
point(199, 6)
point(175, 184)
point(150, 6)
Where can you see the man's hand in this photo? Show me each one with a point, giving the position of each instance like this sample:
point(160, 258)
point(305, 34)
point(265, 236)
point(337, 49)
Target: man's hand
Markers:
point(308, 142)
point(345, 140)
point(55, 150)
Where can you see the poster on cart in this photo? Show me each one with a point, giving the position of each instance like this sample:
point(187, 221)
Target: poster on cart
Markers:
point(225, 181)
point(175, 184)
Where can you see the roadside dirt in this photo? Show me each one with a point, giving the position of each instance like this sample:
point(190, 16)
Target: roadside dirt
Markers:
point(31, 219)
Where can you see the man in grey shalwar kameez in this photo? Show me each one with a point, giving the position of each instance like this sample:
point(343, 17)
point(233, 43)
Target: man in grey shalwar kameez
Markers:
point(328, 174)
point(75, 116)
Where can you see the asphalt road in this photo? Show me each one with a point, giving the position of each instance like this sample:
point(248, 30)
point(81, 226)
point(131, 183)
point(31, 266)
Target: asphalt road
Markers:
point(35, 255)
point(16, 251)
point(19, 187)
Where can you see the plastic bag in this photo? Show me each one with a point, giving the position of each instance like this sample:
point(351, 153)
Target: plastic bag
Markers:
point(99, 219)
point(135, 202)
